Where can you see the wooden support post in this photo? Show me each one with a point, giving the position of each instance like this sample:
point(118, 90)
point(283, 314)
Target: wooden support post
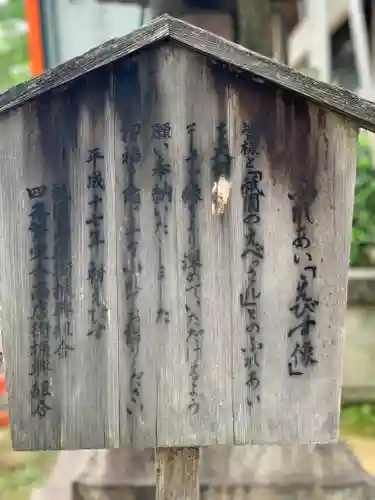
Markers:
point(177, 473)
point(254, 20)
point(279, 37)
point(171, 7)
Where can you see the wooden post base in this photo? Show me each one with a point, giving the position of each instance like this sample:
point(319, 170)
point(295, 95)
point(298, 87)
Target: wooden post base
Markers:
point(177, 475)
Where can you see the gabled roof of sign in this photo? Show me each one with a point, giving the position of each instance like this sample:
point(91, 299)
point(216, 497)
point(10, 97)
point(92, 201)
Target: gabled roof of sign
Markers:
point(168, 28)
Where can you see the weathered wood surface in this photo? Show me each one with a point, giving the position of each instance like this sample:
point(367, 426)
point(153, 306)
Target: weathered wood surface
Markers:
point(176, 328)
point(177, 473)
point(329, 472)
point(167, 28)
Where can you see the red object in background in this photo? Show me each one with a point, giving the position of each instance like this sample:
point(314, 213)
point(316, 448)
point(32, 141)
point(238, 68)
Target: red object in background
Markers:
point(35, 45)
point(2, 384)
point(4, 416)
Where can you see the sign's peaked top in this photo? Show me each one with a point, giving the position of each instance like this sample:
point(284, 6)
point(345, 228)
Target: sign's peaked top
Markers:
point(168, 28)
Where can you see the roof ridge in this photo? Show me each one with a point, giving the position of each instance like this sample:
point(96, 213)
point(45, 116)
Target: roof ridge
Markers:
point(166, 27)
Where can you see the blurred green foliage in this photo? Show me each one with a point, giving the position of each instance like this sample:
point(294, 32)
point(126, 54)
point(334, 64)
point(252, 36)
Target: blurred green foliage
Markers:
point(13, 44)
point(358, 419)
point(363, 231)
point(22, 471)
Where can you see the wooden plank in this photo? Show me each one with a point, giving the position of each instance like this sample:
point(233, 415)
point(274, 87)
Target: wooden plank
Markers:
point(166, 27)
point(141, 336)
point(177, 473)
point(72, 396)
point(289, 149)
point(194, 390)
point(33, 308)
point(13, 319)
point(92, 413)
point(49, 117)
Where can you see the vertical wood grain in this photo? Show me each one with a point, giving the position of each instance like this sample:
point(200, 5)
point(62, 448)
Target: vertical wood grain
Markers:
point(177, 473)
point(54, 119)
point(173, 383)
point(196, 369)
point(35, 254)
point(14, 278)
point(247, 326)
point(295, 144)
point(137, 259)
point(333, 231)
point(93, 413)
point(82, 370)
point(174, 365)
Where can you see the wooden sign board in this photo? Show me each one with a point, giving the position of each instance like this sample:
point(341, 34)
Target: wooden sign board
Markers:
point(176, 235)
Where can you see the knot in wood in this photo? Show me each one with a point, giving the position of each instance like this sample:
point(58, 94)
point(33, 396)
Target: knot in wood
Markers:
point(220, 195)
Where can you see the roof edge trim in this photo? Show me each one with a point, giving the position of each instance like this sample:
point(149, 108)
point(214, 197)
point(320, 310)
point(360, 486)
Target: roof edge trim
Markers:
point(336, 99)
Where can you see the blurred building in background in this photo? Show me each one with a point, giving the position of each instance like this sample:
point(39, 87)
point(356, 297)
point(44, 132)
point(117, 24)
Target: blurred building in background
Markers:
point(334, 41)
point(62, 29)
point(331, 40)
